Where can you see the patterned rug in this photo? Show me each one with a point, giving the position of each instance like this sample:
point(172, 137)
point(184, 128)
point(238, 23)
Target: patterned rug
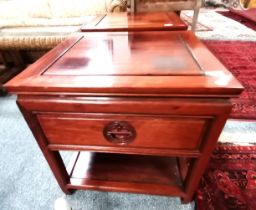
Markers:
point(199, 26)
point(223, 28)
point(240, 19)
point(250, 14)
point(240, 59)
point(229, 182)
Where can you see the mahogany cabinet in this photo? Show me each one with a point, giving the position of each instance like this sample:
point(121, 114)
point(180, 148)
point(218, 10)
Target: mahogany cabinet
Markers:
point(142, 111)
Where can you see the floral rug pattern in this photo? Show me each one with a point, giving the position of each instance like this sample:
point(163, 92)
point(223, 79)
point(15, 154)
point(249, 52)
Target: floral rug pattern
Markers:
point(230, 180)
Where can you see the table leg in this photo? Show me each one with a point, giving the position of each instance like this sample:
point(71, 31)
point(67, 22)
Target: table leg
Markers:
point(198, 165)
point(133, 6)
point(53, 157)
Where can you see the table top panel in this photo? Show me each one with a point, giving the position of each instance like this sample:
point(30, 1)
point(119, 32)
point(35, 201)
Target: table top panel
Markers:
point(129, 63)
point(128, 54)
point(164, 21)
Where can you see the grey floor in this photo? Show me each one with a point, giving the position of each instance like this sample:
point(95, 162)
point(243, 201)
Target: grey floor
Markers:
point(27, 183)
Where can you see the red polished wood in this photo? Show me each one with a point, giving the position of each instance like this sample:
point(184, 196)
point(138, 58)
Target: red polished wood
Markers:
point(167, 86)
point(153, 21)
point(155, 174)
point(98, 166)
point(84, 130)
point(104, 69)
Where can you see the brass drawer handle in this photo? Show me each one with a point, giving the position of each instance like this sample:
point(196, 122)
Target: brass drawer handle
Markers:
point(119, 132)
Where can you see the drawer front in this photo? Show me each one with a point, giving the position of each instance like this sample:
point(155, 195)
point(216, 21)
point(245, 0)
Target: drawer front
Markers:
point(143, 131)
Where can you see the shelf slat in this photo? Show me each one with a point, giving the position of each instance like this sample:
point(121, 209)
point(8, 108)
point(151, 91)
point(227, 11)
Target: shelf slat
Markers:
point(126, 173)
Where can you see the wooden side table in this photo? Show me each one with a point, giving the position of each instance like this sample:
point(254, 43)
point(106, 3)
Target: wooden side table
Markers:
point(142, 110)
point(154, 21)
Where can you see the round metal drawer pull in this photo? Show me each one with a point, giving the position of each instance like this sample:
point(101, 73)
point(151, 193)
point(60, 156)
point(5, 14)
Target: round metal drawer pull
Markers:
point(119, 132)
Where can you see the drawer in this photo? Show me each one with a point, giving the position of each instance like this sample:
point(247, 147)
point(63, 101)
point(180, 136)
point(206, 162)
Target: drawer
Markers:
point(120, 130)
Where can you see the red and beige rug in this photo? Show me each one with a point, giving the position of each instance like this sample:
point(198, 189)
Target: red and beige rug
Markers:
point(199, 26)
point(249, 14)
point(222, 28)
point(229, 183)
point(250, 23)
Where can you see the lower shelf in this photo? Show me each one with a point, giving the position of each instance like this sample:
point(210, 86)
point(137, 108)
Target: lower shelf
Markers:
point(125, 173)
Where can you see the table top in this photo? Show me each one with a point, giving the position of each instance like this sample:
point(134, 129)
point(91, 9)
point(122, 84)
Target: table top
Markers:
point(161, 21)
point(141, 63)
